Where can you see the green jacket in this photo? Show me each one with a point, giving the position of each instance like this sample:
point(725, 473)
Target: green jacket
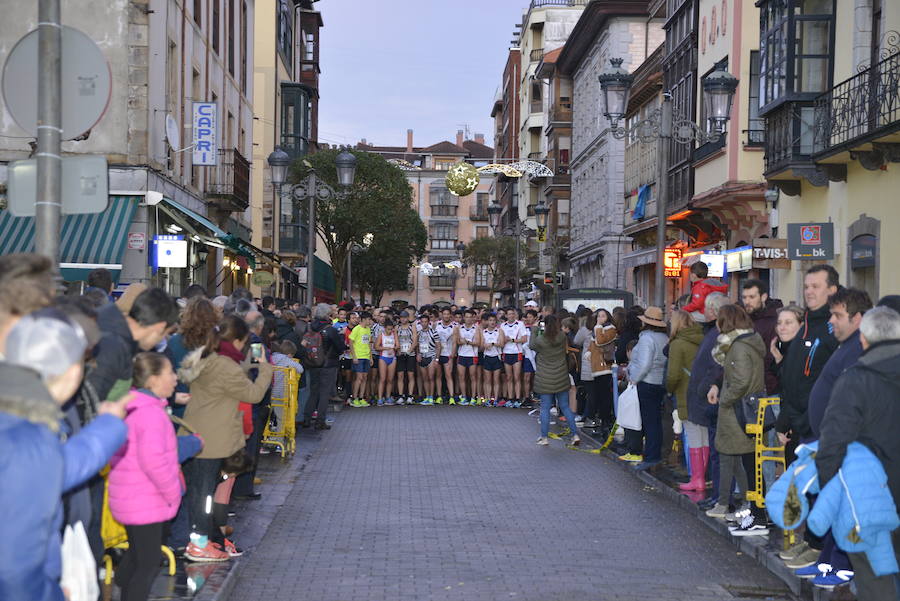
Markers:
point(551, 371)
point(744, 374)
point(682, 350)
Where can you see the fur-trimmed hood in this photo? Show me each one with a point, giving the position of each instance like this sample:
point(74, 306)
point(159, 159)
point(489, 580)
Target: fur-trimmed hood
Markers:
point(193, 365)
point(24, 396)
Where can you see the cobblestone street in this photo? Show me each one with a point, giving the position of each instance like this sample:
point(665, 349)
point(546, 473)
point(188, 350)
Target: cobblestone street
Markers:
point(456, 503)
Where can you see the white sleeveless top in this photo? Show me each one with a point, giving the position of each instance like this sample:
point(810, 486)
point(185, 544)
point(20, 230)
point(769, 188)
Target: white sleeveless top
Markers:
point(491, 337)
point(388, 344)
point(445, 332)
point(468, 334)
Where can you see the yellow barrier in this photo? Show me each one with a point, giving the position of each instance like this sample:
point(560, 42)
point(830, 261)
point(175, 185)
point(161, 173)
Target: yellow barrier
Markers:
point(285, 406)
point(114, 536)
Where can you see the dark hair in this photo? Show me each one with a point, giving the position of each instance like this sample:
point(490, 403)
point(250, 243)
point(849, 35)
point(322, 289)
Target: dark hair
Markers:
point(268, 332)
point(153, 306)
point(96, 297)
point(285, 347)
point(758, 284)
point(233, 328)
point(365, 315)
point(388, 322)
point(596, 315)
point(516, 309)
point(266, 301)
point(531, 312)
point(833, 279)
point(700, 269)
point(469, 312)
point(193, 291)
point(100, 278)
point(289, 317)
point(198, 324)
point(733, 317)
point(591, 322)
point(683, 300)
point(571, 323)
point(853, 299)
point(552, 327)
point(629, 346)
point(632, 324)
point(146, 365)
point(891, 300)
point(618, 318)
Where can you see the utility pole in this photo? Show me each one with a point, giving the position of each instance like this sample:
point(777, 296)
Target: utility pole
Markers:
point(48, 205)
point(662, 196)
point(311, 243)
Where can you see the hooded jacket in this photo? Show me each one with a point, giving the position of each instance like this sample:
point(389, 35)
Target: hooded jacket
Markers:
point(648, 362)
point(682, 351)
point(743, 375)
point(704, 373)
point(865, 409)
point(801, 367)
point(604, 339)
point(551, 370)
point(332, 340)
point(700, 290)
point(30, 564)
point(114, 353)
point(218, 385)
point(846, 355)
point(764, 322)
point(145, 482)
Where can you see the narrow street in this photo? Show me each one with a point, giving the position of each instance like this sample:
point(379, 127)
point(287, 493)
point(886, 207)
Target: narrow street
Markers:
point(454, 503)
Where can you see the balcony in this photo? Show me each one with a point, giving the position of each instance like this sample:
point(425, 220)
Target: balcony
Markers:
point(228, 183)
point(540, 3)
point(293, 240)
point(536, 55)
point(754, 138)
point(862, 110)
point(561, 113)
point(535, 156)
point(477, 213)
point(536, 106)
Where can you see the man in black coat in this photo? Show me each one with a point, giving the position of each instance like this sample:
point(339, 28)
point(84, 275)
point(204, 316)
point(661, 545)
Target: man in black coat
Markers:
point(864, 409)
point(764, 313)
point(322, 378)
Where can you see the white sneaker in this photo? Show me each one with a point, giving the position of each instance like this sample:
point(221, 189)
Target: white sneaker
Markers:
point(409, 400)
point(554, 411)
point(543, 441)
point(400, 401)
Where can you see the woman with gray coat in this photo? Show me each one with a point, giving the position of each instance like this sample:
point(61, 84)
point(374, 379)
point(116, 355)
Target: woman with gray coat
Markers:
point(741, 351)
point(551, 379)
point(648, 370)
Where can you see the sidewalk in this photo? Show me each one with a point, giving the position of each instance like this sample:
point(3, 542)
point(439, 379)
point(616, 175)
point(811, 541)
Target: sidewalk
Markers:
point(764, 549)
point(214, 581)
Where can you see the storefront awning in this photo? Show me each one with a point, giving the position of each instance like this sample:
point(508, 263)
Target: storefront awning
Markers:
point(88, 241)
point(193, 222)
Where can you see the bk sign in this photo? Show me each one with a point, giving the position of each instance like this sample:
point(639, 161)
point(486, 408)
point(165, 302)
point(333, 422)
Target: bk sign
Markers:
point(205, 150)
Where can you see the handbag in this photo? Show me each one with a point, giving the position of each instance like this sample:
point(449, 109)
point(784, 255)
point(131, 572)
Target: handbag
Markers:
point(629, 409)
point(747, 409)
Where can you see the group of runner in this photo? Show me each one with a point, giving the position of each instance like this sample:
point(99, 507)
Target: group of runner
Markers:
point(461, 357)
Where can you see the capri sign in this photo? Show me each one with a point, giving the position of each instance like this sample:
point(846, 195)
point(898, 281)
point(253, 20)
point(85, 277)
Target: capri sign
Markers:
point(205, 151)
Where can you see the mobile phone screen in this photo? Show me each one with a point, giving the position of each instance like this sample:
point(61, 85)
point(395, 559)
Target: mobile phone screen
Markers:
point(256, 350)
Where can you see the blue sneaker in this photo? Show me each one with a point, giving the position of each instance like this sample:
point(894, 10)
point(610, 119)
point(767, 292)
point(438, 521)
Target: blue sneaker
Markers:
point(812, 571)
point(831, 579)
point(427, 401)
point(463, 401)
point(381, 402)
point(390, 401)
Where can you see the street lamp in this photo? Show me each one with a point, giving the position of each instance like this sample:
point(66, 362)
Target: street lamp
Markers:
point(516, 230)
point(541, 213)
point(310, 189)
point(494, 212)
point(718, 93)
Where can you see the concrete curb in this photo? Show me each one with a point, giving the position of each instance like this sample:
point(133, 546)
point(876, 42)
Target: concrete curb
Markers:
point(754, 546)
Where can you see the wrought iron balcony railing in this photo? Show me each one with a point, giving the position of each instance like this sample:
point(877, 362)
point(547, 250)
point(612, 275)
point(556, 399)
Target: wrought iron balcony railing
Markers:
point(477, 213)
point(861, 109)
point(229, 181)
point(536, 55)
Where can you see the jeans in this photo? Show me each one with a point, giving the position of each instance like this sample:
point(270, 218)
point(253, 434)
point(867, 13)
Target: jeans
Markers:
point(714, 457)
point(562, 400)
point(651, 397)
point(140, 565)
point(322, 386)
point(201, 476)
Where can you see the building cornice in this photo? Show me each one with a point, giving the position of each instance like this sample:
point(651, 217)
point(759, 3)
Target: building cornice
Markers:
point(590, 24)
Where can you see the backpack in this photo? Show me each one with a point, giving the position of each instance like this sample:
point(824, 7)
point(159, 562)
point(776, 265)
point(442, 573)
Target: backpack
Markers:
point(314, 343)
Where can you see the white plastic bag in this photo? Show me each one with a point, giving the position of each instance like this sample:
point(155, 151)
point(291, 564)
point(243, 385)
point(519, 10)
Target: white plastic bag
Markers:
point(677, 425)
point(629, 408)
point(79, 570)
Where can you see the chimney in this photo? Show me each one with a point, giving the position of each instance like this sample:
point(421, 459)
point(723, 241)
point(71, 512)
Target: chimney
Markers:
point(409, 140)
point(479, 138)
point(459, 137)
point(363, 142)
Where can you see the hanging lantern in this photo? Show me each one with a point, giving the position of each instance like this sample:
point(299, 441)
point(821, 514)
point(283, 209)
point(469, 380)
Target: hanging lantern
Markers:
point(462, 179)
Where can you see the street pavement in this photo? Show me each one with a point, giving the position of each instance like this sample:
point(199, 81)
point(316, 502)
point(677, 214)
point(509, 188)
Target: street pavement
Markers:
point(457, 503)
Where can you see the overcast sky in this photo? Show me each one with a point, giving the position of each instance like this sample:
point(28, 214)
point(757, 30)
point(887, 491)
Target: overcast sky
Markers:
point(426, 65)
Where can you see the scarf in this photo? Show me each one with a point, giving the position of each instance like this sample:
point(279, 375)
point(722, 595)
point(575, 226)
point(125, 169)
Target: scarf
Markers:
point(227, 349)
point(724, 342)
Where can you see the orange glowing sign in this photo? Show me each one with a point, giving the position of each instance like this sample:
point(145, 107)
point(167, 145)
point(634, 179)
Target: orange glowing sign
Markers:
point(672, 263)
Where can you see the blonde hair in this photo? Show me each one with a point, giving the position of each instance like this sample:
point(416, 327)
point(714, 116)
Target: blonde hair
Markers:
point(680, 319)
point(797, 311)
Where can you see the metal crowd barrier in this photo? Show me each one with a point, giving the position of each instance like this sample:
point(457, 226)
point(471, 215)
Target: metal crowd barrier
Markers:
point(285, 408)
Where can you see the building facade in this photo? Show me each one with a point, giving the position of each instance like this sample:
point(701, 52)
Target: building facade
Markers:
point(171, 53)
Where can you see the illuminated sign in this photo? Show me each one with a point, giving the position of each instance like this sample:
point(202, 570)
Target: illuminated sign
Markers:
point(715, 263)
point(169, 251)
point(205, 151)
point(672, 262)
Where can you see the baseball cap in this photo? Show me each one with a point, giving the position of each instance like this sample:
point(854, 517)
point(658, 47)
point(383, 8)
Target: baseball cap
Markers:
point(47, 342)
point(531, 304)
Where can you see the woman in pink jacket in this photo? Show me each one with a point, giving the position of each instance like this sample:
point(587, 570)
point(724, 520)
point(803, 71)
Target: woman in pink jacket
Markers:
point(145, 483)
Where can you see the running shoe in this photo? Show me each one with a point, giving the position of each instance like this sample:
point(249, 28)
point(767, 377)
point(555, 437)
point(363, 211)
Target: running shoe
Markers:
point(463, 401)
point(452, 401)
point(400, 401)
point(381, 402)
point(232, 549)
point(390, 401)
point(410, 400)
point(543, 441)
point(811, 571)
point(632, 457)
point(211, 552)
point(833, 578)
point(492, 403)
point(364, 403)
point(427, 401)
point(481, 401)
point(501, 403)
point(439, 400)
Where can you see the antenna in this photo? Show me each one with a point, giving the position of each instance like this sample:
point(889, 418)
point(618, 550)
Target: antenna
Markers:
point(466, 129)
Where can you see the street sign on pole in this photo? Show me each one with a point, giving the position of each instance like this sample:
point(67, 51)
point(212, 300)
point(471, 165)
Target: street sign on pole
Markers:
point(811, 241)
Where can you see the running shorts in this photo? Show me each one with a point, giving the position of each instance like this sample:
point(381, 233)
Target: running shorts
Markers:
point(512, 358)
point(362, 366)
point(466, 361)
point(491, 363)
point(406, 363)
point(527, 367)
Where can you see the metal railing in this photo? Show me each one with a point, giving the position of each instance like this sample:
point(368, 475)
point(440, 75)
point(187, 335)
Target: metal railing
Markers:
point(755, 137)
point(477, 213)
point(536, 55)
point(859, 108)
point(788, 137)
point(229, 180)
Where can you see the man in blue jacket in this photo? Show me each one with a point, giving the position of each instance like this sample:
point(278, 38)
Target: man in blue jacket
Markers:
point(865, 409)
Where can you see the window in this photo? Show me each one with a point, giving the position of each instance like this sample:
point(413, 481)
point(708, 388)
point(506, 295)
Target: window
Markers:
point(442, 277)
point(294, 121)
point(216, 33)
point(443, 165)
point(443, 204)
point(756, 126)
point(481, 203)
point(482, 276)
point(244, 47)
point(795, 49)
point(309, 47)
point(229, 24)
point(443, 236)
point(198, 13)
point(481, 231)
point(285, 31)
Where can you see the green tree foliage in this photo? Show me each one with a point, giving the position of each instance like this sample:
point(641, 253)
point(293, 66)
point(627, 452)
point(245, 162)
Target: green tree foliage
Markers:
point(499, 254)
point(384, 264)
point(379, 199)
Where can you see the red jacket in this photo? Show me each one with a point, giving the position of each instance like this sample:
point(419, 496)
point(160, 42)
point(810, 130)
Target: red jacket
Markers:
point(227, 349)
point(700, 290)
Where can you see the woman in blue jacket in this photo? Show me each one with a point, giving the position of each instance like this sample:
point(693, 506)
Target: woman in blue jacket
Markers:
point(41, 371)
point(648, 370)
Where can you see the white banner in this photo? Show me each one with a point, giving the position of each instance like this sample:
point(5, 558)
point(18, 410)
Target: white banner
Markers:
point(206, 151)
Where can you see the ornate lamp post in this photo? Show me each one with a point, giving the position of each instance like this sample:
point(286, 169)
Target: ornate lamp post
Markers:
point(718, 90)
point(310, 189)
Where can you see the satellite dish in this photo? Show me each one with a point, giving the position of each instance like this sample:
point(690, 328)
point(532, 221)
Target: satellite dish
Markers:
point(86, 83)
point(172, 132)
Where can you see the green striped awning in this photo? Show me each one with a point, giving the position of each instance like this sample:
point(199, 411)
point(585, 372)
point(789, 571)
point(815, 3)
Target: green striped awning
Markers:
point(86, 241)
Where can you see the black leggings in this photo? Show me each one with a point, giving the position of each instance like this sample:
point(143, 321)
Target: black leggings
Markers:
point(141, 562)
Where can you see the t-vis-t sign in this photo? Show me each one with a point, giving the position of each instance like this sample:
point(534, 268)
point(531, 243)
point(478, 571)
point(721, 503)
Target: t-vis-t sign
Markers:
point(206, 151)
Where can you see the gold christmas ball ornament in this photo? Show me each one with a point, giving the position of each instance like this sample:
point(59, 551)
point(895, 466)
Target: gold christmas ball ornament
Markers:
point(462, 179)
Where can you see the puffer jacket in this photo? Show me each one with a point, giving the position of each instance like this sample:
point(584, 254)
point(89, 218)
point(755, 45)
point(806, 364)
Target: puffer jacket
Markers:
point(648, 361)
point(786, 501)
point(743, 375)
point(218, 385)
point(145, 482)
point(682, 351)
point(36, 468)
point(551, 371)
point(700, 290)
point(604, 339)
point(858, 509)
